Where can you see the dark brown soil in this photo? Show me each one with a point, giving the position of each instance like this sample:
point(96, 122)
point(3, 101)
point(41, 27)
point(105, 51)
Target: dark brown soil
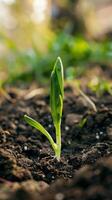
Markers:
point(27, 163)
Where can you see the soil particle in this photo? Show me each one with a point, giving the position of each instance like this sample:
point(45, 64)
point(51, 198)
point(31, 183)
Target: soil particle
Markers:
point(72, 119)
point(26, 190)
point(9, 168)
point(109, 132)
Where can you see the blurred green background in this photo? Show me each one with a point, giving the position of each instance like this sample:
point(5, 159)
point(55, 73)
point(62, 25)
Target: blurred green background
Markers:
point(34, 32)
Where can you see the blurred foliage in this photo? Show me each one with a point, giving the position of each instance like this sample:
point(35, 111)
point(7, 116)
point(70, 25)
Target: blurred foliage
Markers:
point(100, 86)
point(28, 48)
point(33, 64)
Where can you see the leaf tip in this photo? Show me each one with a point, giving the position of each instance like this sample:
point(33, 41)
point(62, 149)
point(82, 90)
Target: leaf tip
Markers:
point(59, 60)
point(25, 117)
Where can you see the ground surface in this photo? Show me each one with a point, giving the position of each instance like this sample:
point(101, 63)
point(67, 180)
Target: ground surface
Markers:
point(27, 163)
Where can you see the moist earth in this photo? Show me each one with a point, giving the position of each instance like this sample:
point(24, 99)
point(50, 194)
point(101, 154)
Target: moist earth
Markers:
point(28, 168)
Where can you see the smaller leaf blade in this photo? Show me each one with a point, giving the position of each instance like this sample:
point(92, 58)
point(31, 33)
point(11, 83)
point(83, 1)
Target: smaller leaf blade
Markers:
point(34, 123)
point(39, 127)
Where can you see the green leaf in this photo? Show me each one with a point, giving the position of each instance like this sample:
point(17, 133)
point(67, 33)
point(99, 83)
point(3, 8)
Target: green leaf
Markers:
point(39, 127)
point(57, 91)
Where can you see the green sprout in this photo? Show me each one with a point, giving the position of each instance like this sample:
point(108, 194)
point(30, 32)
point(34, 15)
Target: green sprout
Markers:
point(56, 103)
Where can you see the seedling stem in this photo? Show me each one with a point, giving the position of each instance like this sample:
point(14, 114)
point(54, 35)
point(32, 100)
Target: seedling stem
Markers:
point(56, 102)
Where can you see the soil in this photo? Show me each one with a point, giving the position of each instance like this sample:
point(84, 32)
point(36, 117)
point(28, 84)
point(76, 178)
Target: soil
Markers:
point(28, 168)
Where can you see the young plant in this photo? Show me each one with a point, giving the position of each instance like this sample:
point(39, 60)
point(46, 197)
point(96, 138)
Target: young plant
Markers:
point(56, 103)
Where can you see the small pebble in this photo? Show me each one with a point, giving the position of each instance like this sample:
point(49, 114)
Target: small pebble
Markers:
point(49, 125)
point(97, 136)
point(43, 176)
point(59, 196)
point(25, 148)
point(67, 128)
point(69, 142)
